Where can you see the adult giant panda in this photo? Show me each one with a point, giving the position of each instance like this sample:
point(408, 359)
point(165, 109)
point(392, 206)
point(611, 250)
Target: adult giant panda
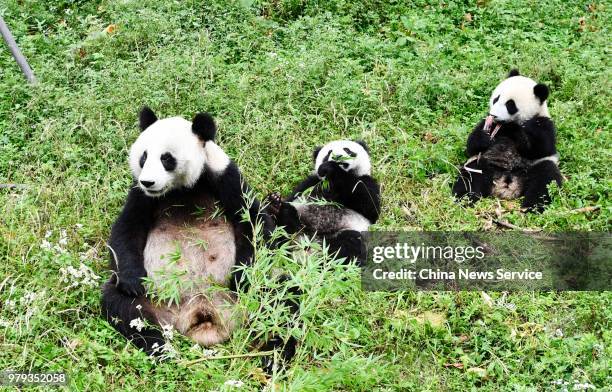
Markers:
point(181, 225)
point(337, 202)
point(512, 152)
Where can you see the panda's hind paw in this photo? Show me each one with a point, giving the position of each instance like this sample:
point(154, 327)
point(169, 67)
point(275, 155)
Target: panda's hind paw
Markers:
point(274, 203)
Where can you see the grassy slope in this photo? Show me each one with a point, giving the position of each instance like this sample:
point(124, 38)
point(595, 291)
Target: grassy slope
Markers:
point(282, 77)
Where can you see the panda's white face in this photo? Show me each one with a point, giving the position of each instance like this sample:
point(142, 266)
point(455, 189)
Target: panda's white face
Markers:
point(515, 100)
point(351, 156)
point(167, 155)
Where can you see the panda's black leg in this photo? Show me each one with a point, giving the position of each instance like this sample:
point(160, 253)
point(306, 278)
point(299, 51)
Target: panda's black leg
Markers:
point(348, 244)
point(471, 184)
point(287, 347)
point(120, 309)
point(287, 352)
point(536, 192)
point(289, 218)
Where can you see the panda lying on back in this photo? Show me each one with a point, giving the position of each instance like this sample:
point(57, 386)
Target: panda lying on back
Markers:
point(512, 152)
point(337, 202)
point(172, 225)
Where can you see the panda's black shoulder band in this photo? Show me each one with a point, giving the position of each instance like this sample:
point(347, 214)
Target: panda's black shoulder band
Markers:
point(204, 126)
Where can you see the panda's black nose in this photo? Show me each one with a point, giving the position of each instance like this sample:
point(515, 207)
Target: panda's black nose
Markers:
point(147, 184)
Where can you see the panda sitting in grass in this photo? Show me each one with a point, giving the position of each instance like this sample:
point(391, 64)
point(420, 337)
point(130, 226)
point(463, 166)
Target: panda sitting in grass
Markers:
point(181, 231)
point(512, 152)
point(337, 202)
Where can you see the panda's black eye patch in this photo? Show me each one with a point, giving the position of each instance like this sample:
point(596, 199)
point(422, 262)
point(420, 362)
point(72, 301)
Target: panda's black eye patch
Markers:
point(495, 100)
point(511, 107)
point(168, 161)
point(326, 158)
point(350, 152)
point(143, 159)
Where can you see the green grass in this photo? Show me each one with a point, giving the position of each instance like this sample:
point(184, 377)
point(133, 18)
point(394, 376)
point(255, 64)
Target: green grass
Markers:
point(282, 77)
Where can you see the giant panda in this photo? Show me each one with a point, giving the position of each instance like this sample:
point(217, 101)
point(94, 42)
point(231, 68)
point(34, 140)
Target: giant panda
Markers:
point(334, 204)
point(512, 151)
point(183, 216)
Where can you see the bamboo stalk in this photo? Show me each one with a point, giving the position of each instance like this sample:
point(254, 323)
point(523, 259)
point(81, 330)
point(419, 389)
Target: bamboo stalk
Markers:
point(248, 355)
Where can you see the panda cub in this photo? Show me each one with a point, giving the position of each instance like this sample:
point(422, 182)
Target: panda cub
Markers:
point(336, 203)
point(181, 223)
point(512, 152)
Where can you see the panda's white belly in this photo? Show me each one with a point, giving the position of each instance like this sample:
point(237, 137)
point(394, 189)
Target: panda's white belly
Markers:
point(194, 253)
point(201, 253)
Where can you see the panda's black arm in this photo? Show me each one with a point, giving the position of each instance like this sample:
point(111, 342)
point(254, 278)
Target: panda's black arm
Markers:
point(478, 141)
point(128, 239)
point(309, 182)
point(359, 193)
point(539, 133)
point(365, 198)
point(232, 192)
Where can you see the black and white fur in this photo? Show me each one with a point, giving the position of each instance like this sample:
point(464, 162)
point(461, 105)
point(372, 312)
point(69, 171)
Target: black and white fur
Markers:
point(337, 202)
point(519, 157)
point(181, 179)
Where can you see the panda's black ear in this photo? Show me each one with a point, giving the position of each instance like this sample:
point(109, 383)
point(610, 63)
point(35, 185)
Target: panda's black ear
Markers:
point(541, 91)
point(204, 126)
point(316, 152)
point(146, 118)
point(513, 72)
point(363, 144)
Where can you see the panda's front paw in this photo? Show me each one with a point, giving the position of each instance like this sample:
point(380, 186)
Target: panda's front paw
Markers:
point(274, 203)
point(327, 169)
point(130, 283)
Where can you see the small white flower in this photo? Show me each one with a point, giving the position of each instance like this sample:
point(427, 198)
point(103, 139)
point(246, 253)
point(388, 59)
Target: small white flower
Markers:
point(234, 383)
point(583, 386)
point(79, 226)
point(168, 351)
point(58, 249)
point(82, 276)
point(559, 333)
point(208, 352)
point(28, 297)
point(48, 233)
point(168, 331)
point(139, 307)
point(137, 323)
point(156, 348)
point(46, 245)
point(598, 348)
point(63, 240)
